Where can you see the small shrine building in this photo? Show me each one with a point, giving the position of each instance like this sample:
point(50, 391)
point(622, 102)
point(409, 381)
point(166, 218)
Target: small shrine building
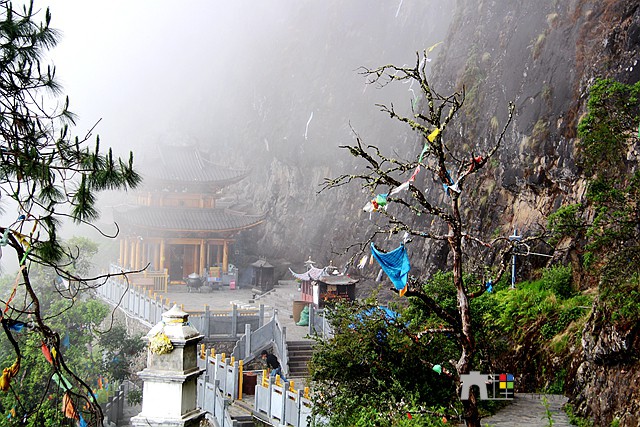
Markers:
point(175, 224)
point(324, 285)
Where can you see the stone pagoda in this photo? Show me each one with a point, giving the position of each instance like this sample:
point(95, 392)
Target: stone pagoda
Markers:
point(170, 378)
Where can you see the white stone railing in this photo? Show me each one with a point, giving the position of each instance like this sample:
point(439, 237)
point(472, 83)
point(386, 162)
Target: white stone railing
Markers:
point(278, 404)
point(275, 402)
point(147, 307)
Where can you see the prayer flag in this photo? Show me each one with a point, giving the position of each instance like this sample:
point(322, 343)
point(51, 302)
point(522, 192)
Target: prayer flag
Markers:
point(395, 264)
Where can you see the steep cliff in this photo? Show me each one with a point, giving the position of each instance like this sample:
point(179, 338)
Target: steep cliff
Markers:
point(542, 55)
point(545, 55)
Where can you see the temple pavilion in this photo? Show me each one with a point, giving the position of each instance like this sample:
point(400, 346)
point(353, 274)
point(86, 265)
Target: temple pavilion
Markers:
point(325, 285)
point(175, 224)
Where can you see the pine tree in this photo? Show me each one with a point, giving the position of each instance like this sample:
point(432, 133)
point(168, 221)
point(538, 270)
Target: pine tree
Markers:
point(49, 176)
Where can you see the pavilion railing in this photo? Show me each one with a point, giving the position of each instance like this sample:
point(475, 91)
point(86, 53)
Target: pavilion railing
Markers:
point(147, 307)
point(157, 281)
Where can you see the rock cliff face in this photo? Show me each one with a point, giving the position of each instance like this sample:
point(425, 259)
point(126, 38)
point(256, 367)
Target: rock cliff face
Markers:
point(607, 381)
point(543, 55)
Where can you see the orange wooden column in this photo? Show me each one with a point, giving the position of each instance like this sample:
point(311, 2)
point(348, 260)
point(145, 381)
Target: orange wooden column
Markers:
point(225, 257)
point(162, 248)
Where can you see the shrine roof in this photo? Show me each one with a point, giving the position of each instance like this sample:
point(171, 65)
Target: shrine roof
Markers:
point(187, 164)
point(187, 219)
point(324, 275)
point(262, 264)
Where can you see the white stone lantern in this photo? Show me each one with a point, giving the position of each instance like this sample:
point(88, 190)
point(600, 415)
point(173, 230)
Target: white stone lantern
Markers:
point(170, 378)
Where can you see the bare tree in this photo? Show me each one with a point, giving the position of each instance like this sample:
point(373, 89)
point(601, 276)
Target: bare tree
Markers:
point(443, 161)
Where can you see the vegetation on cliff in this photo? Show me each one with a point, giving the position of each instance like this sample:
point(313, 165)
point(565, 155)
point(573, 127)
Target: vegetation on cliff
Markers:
point(537, 330)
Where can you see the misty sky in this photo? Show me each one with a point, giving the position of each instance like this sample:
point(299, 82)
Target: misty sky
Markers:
point(236, 72)
point(159, 70)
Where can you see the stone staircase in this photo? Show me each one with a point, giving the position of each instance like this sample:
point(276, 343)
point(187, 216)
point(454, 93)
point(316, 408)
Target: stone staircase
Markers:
point(300, 353)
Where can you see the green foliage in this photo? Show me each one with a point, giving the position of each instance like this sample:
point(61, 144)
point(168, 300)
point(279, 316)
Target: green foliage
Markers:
point(557, 279)
point(547, 411)
point(78, 323)
point(605, 132)
point(619, 288)
point(373, 362)
point(548, 304)
point(82, 251)
point(565, 221)
point(556, 386)
point(50, 176)
point(134, 397)
point(119, 351)
point(43, 168)
point(576, 420)
point(36, 372)
point(607, 219)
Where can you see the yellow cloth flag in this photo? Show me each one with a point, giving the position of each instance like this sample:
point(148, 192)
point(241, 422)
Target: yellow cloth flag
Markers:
point(433, 135)
point(7, 374)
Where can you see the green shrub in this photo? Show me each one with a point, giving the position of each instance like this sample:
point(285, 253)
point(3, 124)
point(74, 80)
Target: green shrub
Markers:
point(558, 280)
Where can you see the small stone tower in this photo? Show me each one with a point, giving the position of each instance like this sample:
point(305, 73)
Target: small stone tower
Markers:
point(170, 378)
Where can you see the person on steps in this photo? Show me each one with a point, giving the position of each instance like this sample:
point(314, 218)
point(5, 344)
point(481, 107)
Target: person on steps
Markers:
point(273, 364)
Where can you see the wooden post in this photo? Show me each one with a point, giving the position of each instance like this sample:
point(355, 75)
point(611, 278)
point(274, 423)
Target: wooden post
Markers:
point(125, 253)
point(161, 266)
point(156, 257)
point(121, 254)
point(138, 253)
point(240, 378)
point(225, 257)
point(201, 261)
point(132, 254)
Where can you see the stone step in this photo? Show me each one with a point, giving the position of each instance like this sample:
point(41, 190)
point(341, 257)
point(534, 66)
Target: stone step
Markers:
point(300, 353)
point(301, 345)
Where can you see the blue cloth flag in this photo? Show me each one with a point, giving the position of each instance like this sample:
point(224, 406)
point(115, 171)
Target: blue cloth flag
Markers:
point(395, 264)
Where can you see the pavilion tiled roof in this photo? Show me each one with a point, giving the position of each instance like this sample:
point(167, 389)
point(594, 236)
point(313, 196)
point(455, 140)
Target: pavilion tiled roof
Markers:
point(185, 219)
point(187, 164)
point(324, 276)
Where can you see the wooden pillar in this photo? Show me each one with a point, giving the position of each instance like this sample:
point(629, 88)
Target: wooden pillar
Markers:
point(202, 263)
point(161, 265)
point(132, 253)
point(138, 253)
point(195, 259)
point(144, 257)
point(225, 257)
point(218, 259)
point(122, 254)
point(156, 256)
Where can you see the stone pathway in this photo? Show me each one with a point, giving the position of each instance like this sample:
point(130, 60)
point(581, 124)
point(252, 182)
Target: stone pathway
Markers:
point(529, 410)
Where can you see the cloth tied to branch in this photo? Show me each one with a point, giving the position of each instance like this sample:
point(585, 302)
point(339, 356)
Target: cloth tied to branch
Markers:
point(395, 264)
point(7, 374)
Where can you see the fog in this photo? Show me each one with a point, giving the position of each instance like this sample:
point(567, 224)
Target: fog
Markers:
point(280, 76)
point(251, 81)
